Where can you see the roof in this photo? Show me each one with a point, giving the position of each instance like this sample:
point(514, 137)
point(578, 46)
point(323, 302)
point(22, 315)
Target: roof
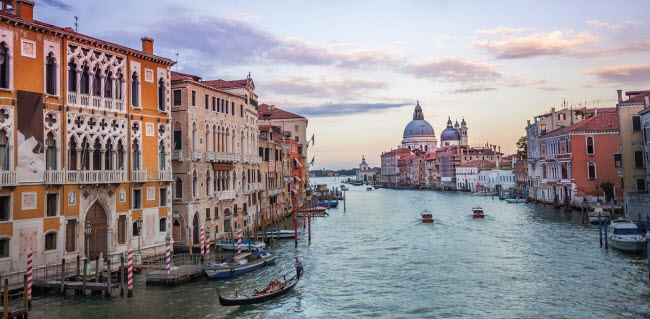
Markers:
point(478, 163)
point(177, 76)
point(224, 84)
point(585, 110)
point(270, 112)
point(636, 96)
point(602, 122)
point(69, 32)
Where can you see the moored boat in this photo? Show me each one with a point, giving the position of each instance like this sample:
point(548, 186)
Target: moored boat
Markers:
point(625, 235)
point(515, 200)
point(240, 264)
point(229, 245)
point(426, 216)
point(273, 290)
point(477, 212)
point(314, 214)
point(278, 233)
point(598, 210)
point(330, 204)
point(369, 188)
point(316, 209)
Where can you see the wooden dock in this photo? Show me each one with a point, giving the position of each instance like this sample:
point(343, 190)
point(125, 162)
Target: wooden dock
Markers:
point(184, 268)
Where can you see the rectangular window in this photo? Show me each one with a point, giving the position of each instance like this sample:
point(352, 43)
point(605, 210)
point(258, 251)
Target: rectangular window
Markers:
point(121, 229)
point(163, 197)
point(207, 214)
point(636, 123)
point(50, 241)
point(4, 208)
point(51, 202)
point(193, 98)
point(207, 101)
point(70, 235)
point(241, 110)
point(216, 214)
point(177, 97)
point(214, 104)
point(225, 106)
point(162, 227)
point(296, 128)
point(4, 247)
point(543, 129)
point(233, 108)
point(591, 171)
point(638, 159)
point(137, 198)
point(178, 140)
point(219, 105)
point(561, 116)
point(640, 184)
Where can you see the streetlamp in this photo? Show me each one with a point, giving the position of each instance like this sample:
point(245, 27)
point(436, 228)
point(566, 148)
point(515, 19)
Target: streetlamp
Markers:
point(87, 230)
point(138, 224)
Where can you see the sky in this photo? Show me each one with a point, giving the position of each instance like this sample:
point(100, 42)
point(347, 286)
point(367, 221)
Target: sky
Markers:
point(355, 69)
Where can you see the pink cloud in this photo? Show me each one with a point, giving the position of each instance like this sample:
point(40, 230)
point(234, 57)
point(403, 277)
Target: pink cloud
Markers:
point(625, 25)
point(537, 44)
point(336, 89)
point(623, 73)
point(453, 69)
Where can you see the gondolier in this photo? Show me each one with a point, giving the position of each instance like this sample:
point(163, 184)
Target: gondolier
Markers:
point(298, 266)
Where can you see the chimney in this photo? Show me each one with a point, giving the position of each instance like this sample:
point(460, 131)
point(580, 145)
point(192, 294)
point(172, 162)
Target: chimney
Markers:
point(620, 95)
point(25, 9)
point(552, 110)
point(147, 45)
point(646, 101)
point(528, 122)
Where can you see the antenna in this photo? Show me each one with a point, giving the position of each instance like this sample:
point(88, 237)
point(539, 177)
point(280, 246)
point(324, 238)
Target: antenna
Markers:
point(76, 24)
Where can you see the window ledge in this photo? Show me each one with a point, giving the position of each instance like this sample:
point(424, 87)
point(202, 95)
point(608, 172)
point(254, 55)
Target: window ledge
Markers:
point(5, 221)
point(51, 251)
point(11, 90)
point(58, 97)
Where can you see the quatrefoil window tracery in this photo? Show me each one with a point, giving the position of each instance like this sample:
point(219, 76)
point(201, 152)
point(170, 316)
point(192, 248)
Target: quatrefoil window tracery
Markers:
point(4, 116)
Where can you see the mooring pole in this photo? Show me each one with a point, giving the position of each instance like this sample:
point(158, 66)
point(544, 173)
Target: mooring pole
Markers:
point(97, 269)
point(295, 221)
point(63, 276)
point(108, 281)
point(605, 226)
point(83, 292)
point(25, 296)
point(600, 230)
point(122, 274)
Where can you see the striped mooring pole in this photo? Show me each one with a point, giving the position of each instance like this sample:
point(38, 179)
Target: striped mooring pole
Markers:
point(202, 240)
point(29, 274)
point(239, 242)
point(168, 254)
point(130, 273)
point(207, 243)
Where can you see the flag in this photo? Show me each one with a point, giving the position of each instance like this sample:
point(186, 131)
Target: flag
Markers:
point(312, 161)
point(312, 139)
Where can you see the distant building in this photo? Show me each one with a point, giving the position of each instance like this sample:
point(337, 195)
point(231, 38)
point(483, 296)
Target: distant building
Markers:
point(389, 174)
point(365, 173)
point(419, 134)
point(467, 174)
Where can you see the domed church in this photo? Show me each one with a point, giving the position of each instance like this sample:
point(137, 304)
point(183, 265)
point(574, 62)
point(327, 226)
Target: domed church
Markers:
point(419, 134)
point(454, 135)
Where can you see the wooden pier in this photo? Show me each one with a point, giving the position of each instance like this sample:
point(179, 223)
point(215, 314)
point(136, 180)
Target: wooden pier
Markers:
point(184, 267)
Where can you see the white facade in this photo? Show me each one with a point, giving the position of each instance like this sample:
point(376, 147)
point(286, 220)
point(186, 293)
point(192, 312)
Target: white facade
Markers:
point(466, 178)
point(490, 179)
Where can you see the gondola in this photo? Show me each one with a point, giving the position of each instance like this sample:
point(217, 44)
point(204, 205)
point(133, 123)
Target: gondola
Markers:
point(260, 296)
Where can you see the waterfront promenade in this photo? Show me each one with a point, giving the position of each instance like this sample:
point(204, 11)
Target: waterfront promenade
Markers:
point(376, 259)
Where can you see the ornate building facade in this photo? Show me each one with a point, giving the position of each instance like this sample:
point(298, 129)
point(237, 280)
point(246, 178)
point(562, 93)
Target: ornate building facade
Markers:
point(419, 134)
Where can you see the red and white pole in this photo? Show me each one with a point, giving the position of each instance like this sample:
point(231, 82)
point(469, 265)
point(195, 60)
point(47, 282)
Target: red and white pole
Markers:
point(168, 257)
point(239, 242)
point(207, 247)
point(129, 259)
point(202, 240)
point(29, 274)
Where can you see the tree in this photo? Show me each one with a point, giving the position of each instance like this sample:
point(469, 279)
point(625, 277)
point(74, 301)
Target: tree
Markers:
point(522, 147)
point(608, 188)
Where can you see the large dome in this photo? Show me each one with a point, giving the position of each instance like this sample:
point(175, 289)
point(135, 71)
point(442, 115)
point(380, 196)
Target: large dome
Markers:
point(449, 134)
point(418, 128)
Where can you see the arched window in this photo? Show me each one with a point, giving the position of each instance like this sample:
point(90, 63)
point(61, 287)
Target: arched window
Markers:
point(72, 154)
point(136, 230)
point(97, 82)
point(161, 95)
point(120, 155)
point(108, 156)
point(108, 85)
point(4, 66)
point(135, 90)
point(97, 155)
point(195, 137)
point(591, 171)
point(85, 80)
point(85, 154)
point(4, 151)
point(161, 156)
point(118, 85)
point(207, 138)
point(178, 188)
point(162, 225)
point(50, 152)
point(135, 158)
point(590, 145)
point(195, 184)
point(178, 137)
point(72, 76)
point(50, 75)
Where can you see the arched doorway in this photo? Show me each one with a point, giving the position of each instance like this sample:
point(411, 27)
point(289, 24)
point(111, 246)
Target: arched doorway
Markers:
point(567, 197)
point(177, 230)
point(195, 229)
point(98, 239)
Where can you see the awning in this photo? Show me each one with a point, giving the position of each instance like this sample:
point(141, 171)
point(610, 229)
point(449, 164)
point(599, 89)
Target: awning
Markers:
point(222, 166)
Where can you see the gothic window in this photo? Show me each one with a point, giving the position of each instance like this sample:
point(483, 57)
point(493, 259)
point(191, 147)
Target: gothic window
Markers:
point(50, 152)
point(97, 155)
point(108, 85)
point(195, 137)
point(161, 95)
point(85, 80)
point(85, 154)
point(72, 155)
point(135, 90)
point(4, 66)
point(72, 76)
point(195, 184)
point(50, 75)
point(4, 151)
point(97, 82)
point(208, 184)
point(590, 145)
point(118, 85)
point(178, 188)
point(178, 136)
point(120, 155)
point(207, 138)
point(163, 225)
point(121, 229)
point(135, 158)
point(70, 236)
point(161, 156)
point(108, 156)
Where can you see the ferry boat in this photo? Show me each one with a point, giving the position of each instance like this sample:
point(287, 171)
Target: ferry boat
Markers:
point(625, 235)
point(240, 264)
point(593, 215)
point(427, 216)
point(477, 212)
point(232, 245)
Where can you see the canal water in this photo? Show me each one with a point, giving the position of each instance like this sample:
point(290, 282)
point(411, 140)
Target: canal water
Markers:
point(375, 259)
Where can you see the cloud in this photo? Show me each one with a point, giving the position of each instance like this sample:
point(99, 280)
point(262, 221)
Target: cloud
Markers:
point(453, 69)
point(551, 88)
point(537, 44)
point(625, 25)
point(57, 4)
point(339, 89)
point(472, 90)
point(297, 52)
point(502, 30)
point(344, 109)
point(517, 82)
point(623, 73)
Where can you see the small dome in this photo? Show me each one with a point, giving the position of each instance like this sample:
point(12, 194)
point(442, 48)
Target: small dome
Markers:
point(418, 128)
point(449, 134)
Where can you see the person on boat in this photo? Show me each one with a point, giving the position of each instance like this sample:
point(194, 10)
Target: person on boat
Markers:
point(298, 266)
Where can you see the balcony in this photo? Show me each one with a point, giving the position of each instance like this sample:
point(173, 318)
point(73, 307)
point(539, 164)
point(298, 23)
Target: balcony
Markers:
point(54, 177)
point(271, 163)
point(237, 157)
point(210, 156)
point(257, 159)
point(197, 155)
point(165, 175)
point(177, 155)
point(7, 178)
point(96, 177)
point(225, 195)
point(139, 176)
point(224, 157)
point(272, 192)
point(95, 102)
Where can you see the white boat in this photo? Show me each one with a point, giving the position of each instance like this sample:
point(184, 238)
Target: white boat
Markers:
point(229, 245)
point(515, 200)
point(625, 235)
point(593, 215)
point(240, 264)
point(477, 212)
point(369, 188)
point(278, 233)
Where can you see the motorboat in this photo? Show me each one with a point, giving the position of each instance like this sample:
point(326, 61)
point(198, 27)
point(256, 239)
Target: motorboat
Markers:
point(515, 200)
point(598, 210)
point(427, 216)
point(317, 209)
point(477, 212)
point(313, 214)
point(278, 233)
point(369, 188)
point(344, 188)
point(245, 243)
point(626, 236)
point(330, 204)
point(240, 264)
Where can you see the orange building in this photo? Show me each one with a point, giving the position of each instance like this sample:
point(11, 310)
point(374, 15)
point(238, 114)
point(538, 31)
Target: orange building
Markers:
point(575, 160)
point(84, 141)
